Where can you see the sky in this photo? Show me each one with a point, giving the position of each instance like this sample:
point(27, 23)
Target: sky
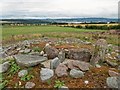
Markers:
point(58, 8)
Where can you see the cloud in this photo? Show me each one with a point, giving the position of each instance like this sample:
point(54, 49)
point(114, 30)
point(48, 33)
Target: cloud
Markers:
point(59, 8)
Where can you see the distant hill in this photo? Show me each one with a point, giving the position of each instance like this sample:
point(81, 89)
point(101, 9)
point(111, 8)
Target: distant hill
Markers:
point(65, 20)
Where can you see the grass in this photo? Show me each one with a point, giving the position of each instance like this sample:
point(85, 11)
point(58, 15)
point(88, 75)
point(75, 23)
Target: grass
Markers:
point(7, 31)
point(12, 34)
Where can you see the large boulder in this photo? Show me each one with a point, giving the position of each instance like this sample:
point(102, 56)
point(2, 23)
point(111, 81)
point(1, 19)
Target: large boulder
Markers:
point(112, 82)
point(76, 73)
point(29, 60)
point(51, 51)
point(4, 67)
point(99, 52)
point(61, 70)
point(46, 74)
point(46, 64)
point(81, 55)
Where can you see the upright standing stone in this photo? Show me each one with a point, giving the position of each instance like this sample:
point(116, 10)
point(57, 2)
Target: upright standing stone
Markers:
point(99, 52)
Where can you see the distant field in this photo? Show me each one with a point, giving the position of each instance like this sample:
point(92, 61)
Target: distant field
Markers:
point(12, 34)
point(19, 30)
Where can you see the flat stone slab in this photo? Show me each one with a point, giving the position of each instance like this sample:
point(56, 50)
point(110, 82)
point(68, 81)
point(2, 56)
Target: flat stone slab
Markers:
point(29, 60)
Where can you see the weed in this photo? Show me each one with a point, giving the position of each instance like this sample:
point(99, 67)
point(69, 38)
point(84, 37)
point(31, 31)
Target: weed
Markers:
point(27, 77)
point(49, 82)
point(3, 84)
point(14, 68)
point(59, 84)
point(37, 49)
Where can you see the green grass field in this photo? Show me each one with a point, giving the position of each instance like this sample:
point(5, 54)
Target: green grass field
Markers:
point(18, 30)
point(17, 33)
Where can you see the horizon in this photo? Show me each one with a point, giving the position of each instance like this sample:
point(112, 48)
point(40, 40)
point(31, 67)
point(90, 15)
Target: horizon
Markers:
point(36, 9)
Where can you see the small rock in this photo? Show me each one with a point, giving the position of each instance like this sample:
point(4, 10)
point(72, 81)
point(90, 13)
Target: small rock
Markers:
point(98, 66)
point(22, 73)
point(21, 51)
point(3, 55)
point(112, 82)
point(4, 67)
point(86, 82)
point(26, 51)
point(54, 63)
point(41, 53)
point(45, 55)
point(113, 73)
point(61, 56)
point(76, 73)
point(64, 88)
point(118, 57)
point(46, 64)
point(46, 74)
point(61, 70)
point(34, 53)
point(111, 63)
point(119, 67)
point(29, 85)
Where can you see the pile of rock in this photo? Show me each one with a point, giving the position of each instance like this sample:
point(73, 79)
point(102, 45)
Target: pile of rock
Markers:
point(62, 62)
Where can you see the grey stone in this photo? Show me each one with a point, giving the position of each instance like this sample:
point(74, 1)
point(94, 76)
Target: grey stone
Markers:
point(119, 67)
point(79, 54)
point(64, 88)
point(29, 60)
point(21, 51)
point(61, 70)
point(29, 85)
point(54, 63)
point(118, 57)
point(42, 53)
point(74, 64)
point(46, 74)
point(51, 51)
point(27, 51)
point(112, 82)
point(113, 73)
point(22, 73)
point(61, 56)
point(113, 64)
point(3, 55)
point(4, 67)
point(98, 66)
point(76, 73)
point(45, 55)
point(99, 52)
point(46, 64)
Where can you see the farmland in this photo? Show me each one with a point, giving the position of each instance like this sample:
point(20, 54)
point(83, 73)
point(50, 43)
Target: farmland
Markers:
point(16, 33)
